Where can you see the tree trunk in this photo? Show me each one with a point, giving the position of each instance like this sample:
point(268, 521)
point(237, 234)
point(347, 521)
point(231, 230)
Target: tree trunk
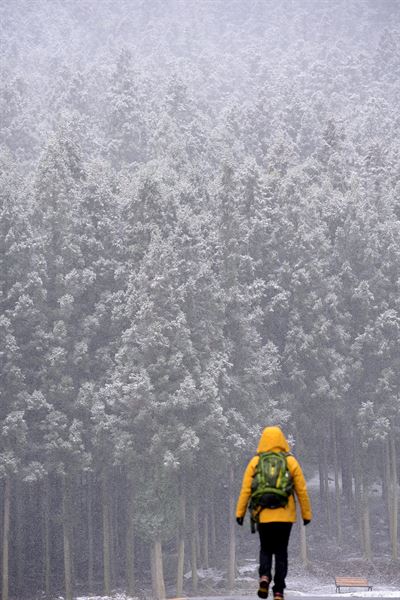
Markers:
point(46, 538)
point(366, 521)
point(90, 534)
point(232, 537)
point(395, 499)
point(72, 519)
point(130, 544)
point(66, 539)
point(119, 540)
point(157, 573)
point(337, 485)
point(19, 542)
point(358, 488)
point(197, 535)
point(322, 490)
point(181, 544)
point(303, 545)
point(6, 537)
point(106, 536)
point(193, 545)
point(346, 460)
point(112, 511)
point(387, 494)
point(327, 489)
point(213, 528)
point(206, 561)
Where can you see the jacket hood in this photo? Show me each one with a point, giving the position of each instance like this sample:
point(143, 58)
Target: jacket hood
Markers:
point(272, 438)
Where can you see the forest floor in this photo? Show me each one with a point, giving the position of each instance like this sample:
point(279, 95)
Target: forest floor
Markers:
point(315, 582)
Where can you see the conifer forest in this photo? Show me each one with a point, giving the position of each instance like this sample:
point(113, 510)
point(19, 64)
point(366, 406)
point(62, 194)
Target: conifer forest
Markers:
point(199, 237)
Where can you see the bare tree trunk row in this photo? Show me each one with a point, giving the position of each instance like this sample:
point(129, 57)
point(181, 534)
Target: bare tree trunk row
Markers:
point(353, 469)
point(196, 537)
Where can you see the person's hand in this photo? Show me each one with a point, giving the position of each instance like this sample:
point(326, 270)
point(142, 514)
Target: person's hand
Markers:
point(306, 521)
point(239, 520)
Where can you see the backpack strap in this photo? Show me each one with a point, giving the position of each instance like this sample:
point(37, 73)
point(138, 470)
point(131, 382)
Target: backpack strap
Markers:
point(277, 452)
point(254, 518)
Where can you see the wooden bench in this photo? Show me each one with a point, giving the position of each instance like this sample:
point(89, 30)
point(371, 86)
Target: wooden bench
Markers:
point(351, 582)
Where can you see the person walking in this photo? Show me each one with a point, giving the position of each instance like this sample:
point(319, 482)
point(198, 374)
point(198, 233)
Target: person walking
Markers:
point(276, 511)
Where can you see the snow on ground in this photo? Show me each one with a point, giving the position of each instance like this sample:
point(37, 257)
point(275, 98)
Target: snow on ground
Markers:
point(382, 593)
point(114, 597)
point(298, 586)
point(328, 591)
point(321, 591)
point(306, 584)
point(213, 575)
point(313, 586)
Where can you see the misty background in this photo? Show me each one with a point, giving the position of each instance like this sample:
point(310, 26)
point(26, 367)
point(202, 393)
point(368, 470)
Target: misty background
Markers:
point(200, 236)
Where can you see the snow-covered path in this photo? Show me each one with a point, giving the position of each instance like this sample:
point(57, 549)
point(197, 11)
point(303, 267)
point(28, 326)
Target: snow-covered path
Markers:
point(380, 594)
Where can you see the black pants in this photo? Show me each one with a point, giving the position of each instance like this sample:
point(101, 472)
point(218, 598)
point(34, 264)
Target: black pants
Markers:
point(274, 538)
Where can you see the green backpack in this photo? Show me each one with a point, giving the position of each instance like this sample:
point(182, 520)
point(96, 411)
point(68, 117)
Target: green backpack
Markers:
point(272, 483)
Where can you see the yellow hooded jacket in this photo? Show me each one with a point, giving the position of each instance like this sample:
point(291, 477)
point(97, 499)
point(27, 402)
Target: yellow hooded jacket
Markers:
point(272, 439)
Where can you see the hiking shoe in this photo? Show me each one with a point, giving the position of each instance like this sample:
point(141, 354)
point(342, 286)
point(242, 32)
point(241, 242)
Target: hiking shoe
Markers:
point(263, 588)
point(278, 596)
